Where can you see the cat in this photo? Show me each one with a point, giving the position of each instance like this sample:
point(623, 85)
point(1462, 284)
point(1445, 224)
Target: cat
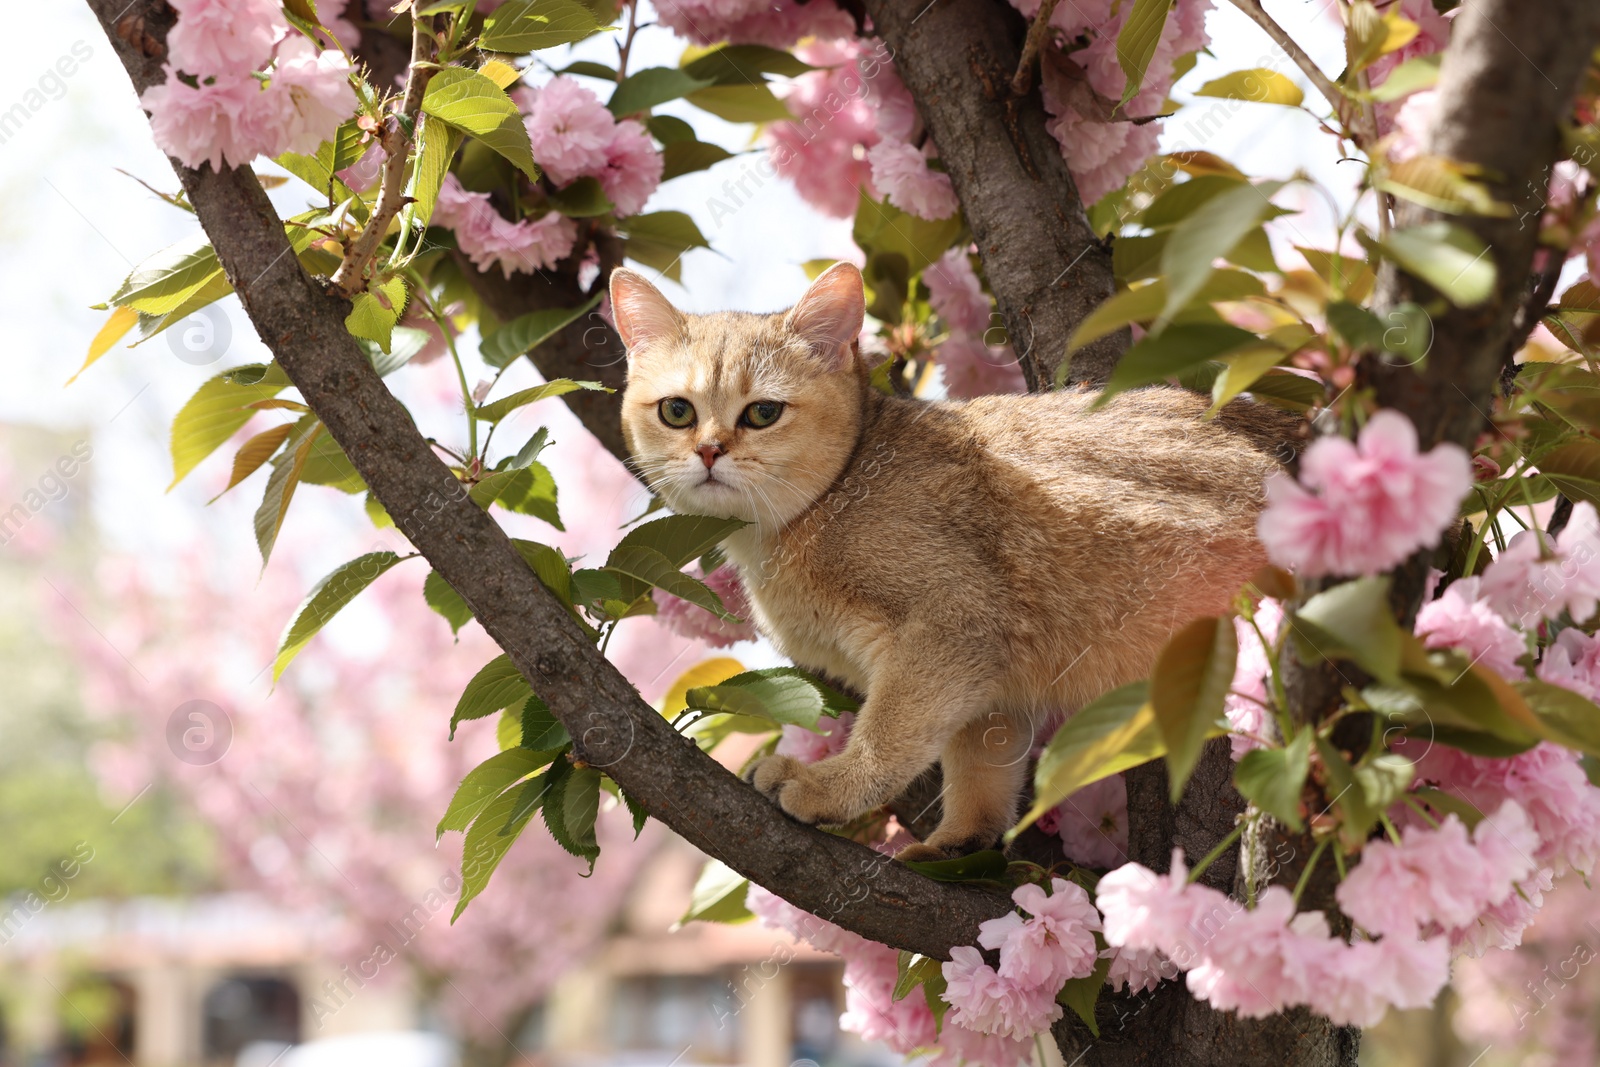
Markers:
point(972, 568)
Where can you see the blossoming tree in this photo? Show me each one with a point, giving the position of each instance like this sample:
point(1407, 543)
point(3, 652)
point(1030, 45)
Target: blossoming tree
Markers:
point(1408, 694)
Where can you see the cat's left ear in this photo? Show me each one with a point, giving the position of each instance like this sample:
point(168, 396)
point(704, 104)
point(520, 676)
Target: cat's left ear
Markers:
point(829, 316)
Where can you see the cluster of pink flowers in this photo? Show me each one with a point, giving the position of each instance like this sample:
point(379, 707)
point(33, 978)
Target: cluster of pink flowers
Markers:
point(214, 109)
point(1433, 33)
point(809, 746)
point(1438, 880)
point(490, 239)
point(574, 135)
point(697, 624)
point(1261, 961)
point(775, 23)
point(1547, 782)
point(837, 109)
point(1376, 500)
point(1092, 823)
point(968, 364)
point(1537, 576)
point(1102, 147)
point(1462, 618)
point(906, 1026)
point(1573, 662)
point(1038, 955)
point(1246, 703)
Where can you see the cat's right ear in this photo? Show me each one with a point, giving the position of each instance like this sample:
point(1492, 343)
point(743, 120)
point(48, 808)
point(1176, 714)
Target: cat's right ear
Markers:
point(642, 315)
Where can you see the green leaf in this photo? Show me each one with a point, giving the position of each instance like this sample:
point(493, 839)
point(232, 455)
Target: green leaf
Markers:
point(254, 452)
point(217, 411)
point(170, 277)
point(636, 810)
point(1383, 778)
point(718, 896)
point(1144, 303)
point(497, 685)
point(499, 409)
point(1109, 735)
point(914, 970)
point(1446, 256)
point(476, 105)
point(686, 157)
point(1574, 469)
point(1196, 242)
point(583, 199)
point(539, 729)
point(779, 699)
point(325, 601)
point(570, 810)
point(651, 567)
point(986, 866)
point(1351, 621)
point(443, 598)
point(1414, 75)
point(281, 484)
point(741, 103)
point(1187, 689)
point(660, 239)
point(437, 145)
point(526, 332)
point(882, 228)
point(549, 565)
point(1357, 817)
point(1564, 716)
point(326, 464)
point(1081, 994)
point(526, 490)
point(741, 64)
point(529, 25)
point(489, 838)
point(1272, 779)
point(590, 69)
point(682, 538)
point(1259, 85)
point(1169, 353)
point(373, 314)
point(485, 782)
point(1358, 327)
point(1136, 42)
point(1449, 804)
point(1242, 369)
point(669, 129)
point(647, 88)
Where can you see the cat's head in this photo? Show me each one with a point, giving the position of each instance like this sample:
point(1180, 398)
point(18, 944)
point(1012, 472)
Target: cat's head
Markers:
point(739, 415)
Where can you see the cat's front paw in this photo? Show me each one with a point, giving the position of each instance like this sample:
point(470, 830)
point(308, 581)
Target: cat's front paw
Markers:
point(797, 790)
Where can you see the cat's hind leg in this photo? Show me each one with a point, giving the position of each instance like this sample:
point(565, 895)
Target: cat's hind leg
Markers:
point(984, 766)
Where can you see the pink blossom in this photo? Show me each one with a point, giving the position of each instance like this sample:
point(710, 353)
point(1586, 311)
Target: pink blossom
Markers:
point(309, 96)
point(1573, 662)
point(775, 23)
point(341, 32)
point(1102, 156)
point(1355, 984)
point(955, 293)
point(823, 149)
point(224, 38)
point(1432, 36)
point(983, 1001)
point(1534, 579)
point(809, 746)
point(1463, 619)
point(1501, 926)
point(970, 368)
point(1378, 500)
point(1439, 878)
point(959, 1045)
point(1137, 970)
point(896, 118)
point(1411, 125)
point(902, 173)
point(698, 624)
point(1546, 781)
point(1245, 704)
point(632, 168)
point(570, 129)
point(490, 239)
point(362, 175)
point(217, 123)
point(1145, 911)
point(1093, 823)
point(772, 910)
point(1259, 963)
point(1055, 944)
point(870, 973)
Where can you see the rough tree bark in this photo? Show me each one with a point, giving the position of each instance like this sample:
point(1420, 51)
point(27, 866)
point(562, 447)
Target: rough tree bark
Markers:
point(613, 729)
point(1045, 265)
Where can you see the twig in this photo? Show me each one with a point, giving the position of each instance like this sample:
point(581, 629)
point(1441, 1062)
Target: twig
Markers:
point(1535, 303)
point(1330, 92)
point(1022, 80)
point(350, 278)
point(626, 46)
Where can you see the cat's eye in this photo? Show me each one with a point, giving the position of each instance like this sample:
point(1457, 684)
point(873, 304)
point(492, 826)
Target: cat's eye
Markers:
point(676, 412)
point(762, 413)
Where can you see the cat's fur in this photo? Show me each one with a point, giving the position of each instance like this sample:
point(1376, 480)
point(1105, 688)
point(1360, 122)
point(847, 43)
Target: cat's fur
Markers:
point(970, 567)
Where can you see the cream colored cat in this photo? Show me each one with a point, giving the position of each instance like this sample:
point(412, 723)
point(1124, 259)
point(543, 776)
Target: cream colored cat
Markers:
point(970, 567)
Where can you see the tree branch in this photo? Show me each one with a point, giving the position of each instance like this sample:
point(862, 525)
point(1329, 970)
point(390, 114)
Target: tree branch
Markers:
point(1045, 266)
point(613, 729)
point(1352, 115)
point(351, 277)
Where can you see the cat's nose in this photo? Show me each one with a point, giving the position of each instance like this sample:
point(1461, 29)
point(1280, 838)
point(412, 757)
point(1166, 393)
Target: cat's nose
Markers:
point(709, 453)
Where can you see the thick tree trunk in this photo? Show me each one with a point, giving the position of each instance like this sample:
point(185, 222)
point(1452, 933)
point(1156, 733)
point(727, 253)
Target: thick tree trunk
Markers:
point(1045, 266)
